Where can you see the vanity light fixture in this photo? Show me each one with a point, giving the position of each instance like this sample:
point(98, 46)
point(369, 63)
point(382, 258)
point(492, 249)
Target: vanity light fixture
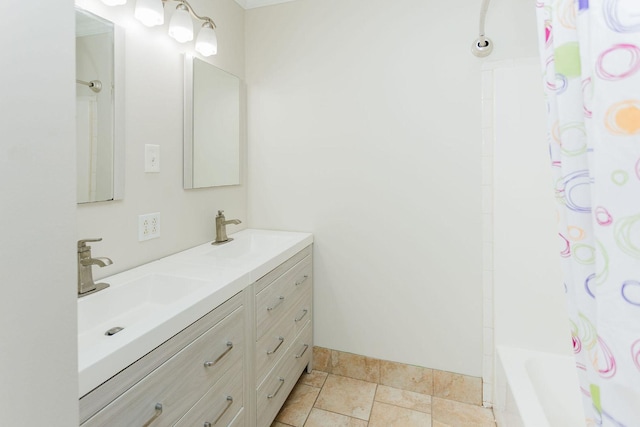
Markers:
point(181, 27)
point(151, 14)
point(207, 42)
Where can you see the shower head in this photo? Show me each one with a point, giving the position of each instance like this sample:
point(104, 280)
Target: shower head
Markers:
point(482, 46)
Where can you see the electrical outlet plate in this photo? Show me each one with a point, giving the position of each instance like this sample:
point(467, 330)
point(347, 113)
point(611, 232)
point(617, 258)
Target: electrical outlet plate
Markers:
point(148, 226)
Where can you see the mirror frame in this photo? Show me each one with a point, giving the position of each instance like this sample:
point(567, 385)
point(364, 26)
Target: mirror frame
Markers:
point(118, 105)
point(188, 118)
point(119, 145)
point(187, 155)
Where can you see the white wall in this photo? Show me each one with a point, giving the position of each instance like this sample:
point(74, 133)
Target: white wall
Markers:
point(529, 302)
point(154, 108)
point(38, 362)
point(364, 128)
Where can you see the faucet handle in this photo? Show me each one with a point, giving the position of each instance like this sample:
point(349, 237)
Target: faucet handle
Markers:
point(220, 213)
point(83, 243)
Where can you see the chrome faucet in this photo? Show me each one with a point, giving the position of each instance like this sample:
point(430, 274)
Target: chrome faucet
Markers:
point(85, 273)
point(221, 228)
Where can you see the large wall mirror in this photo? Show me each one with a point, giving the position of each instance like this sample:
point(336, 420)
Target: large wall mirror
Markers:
point(211, 126)
point(99, 109)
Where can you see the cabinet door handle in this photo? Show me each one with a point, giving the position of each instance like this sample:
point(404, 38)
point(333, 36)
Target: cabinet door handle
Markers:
point(306, 346)
point(280, 300)
point(229, 348)
point(156, 415)
point(304, 313)
point(281, 339)
point(304, 279)
point(272, 395)
point(229, 403)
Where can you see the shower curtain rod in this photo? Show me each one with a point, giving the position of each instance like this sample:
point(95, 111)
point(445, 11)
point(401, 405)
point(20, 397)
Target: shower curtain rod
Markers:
point(482, 46)
point(94, 85)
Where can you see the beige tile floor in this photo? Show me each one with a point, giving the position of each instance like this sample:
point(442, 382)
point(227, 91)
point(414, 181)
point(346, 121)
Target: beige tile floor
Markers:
point(328, 400)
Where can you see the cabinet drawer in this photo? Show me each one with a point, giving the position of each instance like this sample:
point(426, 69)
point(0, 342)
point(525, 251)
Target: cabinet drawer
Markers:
point(220, 404)
point(302, 312)
point(275, 342)
point(280, 381)
point(268, 278)
point(238, 421)
point(181, 381)
point(277, 298)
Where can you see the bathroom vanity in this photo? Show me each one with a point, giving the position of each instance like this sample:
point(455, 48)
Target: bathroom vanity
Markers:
point(212, 336)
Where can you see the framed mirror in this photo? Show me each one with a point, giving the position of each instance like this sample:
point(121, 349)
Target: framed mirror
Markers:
point(99, 109)
point(211, 126)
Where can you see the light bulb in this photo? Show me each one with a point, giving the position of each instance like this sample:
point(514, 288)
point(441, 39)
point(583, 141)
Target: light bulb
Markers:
point(114, 2)
point(181, 26)
point(207, 42)
point(149, 12)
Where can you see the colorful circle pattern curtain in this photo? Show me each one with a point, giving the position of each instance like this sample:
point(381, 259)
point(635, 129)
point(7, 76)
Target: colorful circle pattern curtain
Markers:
point(590, 52)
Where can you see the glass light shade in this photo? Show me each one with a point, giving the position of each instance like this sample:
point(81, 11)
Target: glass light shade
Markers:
point(207, 42)
point(149, 12)
point(114, 2)
point(181, 26)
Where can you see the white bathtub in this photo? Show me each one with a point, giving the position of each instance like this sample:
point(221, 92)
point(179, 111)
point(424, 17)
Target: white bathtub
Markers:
point(536, 389)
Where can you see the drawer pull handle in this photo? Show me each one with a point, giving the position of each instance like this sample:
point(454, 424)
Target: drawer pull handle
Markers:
point(229, 403)
point(229, 348)
point(156, 415)
point(272, 395)
point(270, 352)
point(304, 279)
point(280, 300)
point(298, 356)
point(304, 313)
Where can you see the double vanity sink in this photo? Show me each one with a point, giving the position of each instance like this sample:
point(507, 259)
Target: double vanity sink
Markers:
point(148, 305)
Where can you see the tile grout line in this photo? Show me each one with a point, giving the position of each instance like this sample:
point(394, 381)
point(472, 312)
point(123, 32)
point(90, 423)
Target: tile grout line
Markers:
point(375, 393)
point(314, 402)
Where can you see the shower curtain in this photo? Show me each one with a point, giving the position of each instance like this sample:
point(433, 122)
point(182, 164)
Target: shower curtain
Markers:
point(590, 52)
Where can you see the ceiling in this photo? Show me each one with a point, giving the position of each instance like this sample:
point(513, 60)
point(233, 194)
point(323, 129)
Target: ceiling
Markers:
point(251, 4)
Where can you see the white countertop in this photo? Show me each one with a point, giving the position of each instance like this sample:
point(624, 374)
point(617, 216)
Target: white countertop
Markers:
point(180, 289)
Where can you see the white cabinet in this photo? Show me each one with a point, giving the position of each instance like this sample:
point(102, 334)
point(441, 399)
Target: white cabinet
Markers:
point(199, 370)
point(283, 333)
point(233, 367)
point(279, 382)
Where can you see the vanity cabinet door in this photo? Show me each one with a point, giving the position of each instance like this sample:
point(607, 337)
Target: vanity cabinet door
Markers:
point(302, 312)
point(166, 394)
point(284, 333)
point(275, 342)
point(220, 405)
point(280, 381)
point(277, 298)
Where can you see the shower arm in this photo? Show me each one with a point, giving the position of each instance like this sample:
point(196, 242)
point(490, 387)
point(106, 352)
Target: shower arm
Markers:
point(94, 85)
point(483, 16)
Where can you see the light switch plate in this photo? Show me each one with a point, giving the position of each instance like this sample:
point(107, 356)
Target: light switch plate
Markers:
point(151, 158)
point(148, 226)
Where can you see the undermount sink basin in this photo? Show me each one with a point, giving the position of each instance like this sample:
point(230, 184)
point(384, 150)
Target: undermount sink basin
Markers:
point(246, 249)
point(247, 246)
point(133, 301)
